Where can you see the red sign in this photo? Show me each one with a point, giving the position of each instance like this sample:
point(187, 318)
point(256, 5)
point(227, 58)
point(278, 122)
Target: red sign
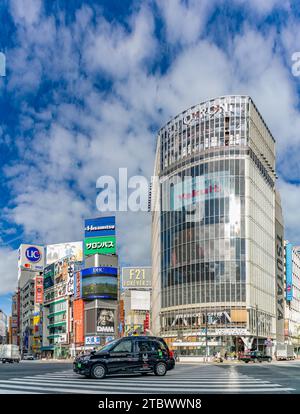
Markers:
point(78, 323)
point(147, 322)
point(39, 289)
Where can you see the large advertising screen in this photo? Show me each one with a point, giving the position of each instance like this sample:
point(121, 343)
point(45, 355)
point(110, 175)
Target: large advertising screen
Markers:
point(105, 321)
point(100, 227)
point(136, 277)
point(101, 245)
point(100, 283)
point(55, 252)
point(194, 190)
point(31, 257)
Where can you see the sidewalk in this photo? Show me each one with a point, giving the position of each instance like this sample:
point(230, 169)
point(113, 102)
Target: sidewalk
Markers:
point(201, 360)
point(66, 361)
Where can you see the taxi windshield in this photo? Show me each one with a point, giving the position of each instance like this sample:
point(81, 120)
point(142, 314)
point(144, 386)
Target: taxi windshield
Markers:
point(109, 346)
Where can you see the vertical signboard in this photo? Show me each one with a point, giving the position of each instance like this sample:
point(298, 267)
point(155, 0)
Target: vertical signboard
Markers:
point(279, 268)
point(78, 313)
point(39, 289)
point(77, 289)
point(289, 271)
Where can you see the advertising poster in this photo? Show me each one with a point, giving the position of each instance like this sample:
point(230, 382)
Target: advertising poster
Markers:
point(73, 250)
point(101, 245)
point(61, 270)
point(105, 321)
point(100, 227)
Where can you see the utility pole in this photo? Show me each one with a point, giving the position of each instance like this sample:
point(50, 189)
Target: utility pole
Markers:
point(206, 337)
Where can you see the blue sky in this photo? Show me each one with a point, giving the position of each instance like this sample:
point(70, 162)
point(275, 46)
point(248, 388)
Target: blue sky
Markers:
point(85, 78)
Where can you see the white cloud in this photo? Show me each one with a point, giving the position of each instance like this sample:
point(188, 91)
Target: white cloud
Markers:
point(86, 131)
point(263, 7)
point(26, 11)
point(290, 196)
point(184, 21)
point(8, 270)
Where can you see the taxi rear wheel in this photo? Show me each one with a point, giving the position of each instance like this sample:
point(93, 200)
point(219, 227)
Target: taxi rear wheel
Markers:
point(160, 369)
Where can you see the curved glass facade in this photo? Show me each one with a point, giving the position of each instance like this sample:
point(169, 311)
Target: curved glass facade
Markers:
point(210, 171)
point(203, 248)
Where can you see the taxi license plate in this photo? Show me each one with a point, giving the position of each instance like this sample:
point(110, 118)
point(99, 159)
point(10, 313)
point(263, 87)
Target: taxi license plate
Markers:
point(78, 365)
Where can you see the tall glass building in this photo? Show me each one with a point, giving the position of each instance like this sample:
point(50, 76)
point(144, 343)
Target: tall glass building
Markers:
point(213, 229)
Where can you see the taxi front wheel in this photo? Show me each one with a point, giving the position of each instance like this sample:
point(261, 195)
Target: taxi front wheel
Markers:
point(160, 369)
point(98, 371)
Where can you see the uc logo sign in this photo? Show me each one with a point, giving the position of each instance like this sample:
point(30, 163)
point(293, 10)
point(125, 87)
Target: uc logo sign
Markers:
point(33, 254)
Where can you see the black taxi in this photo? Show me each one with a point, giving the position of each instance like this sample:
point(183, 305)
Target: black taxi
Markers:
point(142, 354)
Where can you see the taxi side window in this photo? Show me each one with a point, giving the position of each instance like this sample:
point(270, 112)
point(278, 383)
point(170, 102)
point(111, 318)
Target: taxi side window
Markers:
point(146, 346)
point(124, 346)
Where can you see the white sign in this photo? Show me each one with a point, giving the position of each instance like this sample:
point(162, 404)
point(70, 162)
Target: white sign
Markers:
point(92, 340)
point(70, 280)
point(31, 257)
point(140, 300)
point(61, 339)
point(233, 332)
point(55, 252)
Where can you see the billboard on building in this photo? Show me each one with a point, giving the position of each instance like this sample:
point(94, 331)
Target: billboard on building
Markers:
point(100, 283)
point(70, 279)
point(31, 257)
point(101, 245)
point(279, 263)
point(140, 300)
point(99, 227)
point(105, 321)
point(55, 292)
point(55, 252)
point(49, 276)
point(39, 289)
point(289, 271)
point(137, 277)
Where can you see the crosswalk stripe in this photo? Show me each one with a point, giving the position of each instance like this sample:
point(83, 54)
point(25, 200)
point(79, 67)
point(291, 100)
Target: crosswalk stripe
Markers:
point(141, 381)
point(70, 382)
point(166, 387)
point(160, 386)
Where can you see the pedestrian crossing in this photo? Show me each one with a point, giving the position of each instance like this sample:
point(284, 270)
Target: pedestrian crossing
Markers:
point(204, 379)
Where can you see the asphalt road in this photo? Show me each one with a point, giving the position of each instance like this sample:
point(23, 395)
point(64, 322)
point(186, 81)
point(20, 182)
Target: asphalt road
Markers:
point(25, 368)
point(44, 377)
